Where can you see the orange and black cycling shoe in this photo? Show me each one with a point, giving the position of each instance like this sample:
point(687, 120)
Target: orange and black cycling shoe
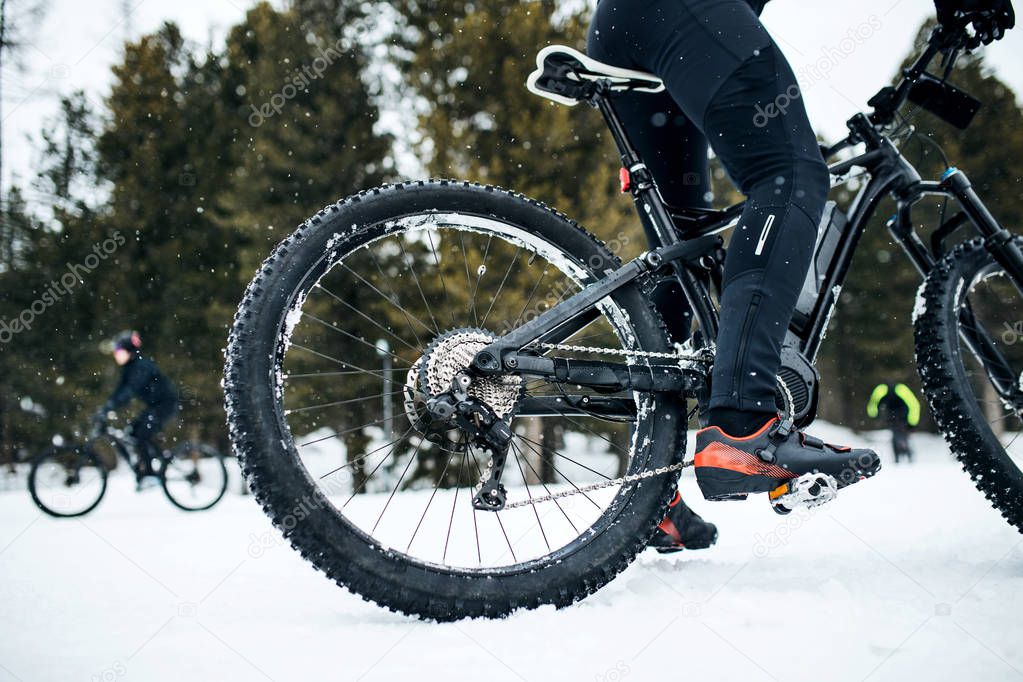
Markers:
point(682, 528)
point(796, 469)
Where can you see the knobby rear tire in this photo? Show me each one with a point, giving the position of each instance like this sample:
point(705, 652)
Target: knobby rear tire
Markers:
point(321, 534)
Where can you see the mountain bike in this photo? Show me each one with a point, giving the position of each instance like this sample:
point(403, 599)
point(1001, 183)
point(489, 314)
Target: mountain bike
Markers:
point(70, 480)
point(456, 402)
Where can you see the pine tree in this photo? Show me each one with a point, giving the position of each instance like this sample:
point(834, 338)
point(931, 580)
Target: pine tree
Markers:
point(305, 120)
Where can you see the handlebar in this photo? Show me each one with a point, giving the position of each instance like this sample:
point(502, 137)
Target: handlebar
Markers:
point(888, 100)
point(943, 39)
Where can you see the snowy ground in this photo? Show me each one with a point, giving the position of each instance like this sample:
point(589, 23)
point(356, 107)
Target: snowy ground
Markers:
point(907, 576)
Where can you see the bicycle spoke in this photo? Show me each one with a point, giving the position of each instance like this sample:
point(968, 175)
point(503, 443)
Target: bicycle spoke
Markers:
point(375, 469)
point(589, 430)
point(395, 302)
point(518, 319)
point(454, 502)
point(504, 281)
point(362, 457)
point(447, 461)
point(558, 454)
point(443, 284)
point(480, 271)
point(364, 342)
point(369, 319)
point(468, 281)
point(530, 496)
point(497, 515)
point(546, 489)
point(558, 472)
point(308, 375)
point(408, 316)
point(321, 406)
point(415, 277)
point(397, 485)
point(342, 433)
point(360, 369)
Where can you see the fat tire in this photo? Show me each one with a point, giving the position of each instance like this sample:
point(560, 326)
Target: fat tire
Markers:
point(951, 398)
point(346, 555)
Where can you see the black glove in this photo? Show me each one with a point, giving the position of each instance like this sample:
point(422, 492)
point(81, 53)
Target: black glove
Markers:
point(990, 18)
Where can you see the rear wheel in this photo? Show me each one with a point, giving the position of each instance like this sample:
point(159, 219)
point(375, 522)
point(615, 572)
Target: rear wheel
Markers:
point(67, 481)
point(194, 476)
point(969, 292)
point(347, 325)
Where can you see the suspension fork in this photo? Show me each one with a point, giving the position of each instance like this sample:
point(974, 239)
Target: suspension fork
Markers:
point(1003, 248)
point(997, 239)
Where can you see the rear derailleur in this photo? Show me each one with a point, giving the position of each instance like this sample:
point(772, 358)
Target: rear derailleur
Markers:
point(456, 409)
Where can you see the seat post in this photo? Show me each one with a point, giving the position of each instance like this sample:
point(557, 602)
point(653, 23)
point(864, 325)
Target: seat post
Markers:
point(641, 182)
point(652, 209)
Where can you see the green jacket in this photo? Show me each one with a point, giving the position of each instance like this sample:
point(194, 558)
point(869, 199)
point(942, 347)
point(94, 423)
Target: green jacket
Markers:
point(898, 401)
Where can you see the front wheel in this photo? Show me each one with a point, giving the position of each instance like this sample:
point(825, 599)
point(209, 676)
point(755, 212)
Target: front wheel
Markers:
point(194, 476)
point(67, 481)
point(371, 307)
point(969, 349)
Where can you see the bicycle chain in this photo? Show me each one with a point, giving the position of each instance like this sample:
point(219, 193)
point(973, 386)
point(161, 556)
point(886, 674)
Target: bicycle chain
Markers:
point(705, 356)
point(621, 480)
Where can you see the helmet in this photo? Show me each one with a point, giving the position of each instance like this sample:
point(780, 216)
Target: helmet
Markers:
point(128, 340)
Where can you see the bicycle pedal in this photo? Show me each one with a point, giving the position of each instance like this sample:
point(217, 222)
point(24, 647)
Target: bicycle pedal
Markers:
point(808, 490)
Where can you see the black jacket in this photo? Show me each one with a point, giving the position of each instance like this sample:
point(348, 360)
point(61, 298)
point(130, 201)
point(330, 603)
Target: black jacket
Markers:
point(142, 379)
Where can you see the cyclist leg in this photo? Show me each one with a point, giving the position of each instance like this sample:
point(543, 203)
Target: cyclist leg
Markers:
point(720, 65)
point(144, 429)
point(723, 69)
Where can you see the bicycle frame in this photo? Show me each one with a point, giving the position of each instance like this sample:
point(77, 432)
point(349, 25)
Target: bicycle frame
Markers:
point(680, 252)
point(117, 440)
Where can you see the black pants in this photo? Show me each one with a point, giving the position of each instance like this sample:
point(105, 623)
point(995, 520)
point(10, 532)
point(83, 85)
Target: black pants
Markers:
point(150, 422)
point(727, 83)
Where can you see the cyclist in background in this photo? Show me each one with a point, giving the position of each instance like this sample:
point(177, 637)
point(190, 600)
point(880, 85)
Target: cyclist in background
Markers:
point(902, 411)
point(141, 379)
point(728, 86)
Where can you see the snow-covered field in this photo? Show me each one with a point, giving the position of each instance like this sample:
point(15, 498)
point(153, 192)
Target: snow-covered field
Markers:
point(910, 575)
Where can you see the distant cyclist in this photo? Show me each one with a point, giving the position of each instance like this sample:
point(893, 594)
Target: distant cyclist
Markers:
point(902, 412)
point(141, 379)
point(722, 71)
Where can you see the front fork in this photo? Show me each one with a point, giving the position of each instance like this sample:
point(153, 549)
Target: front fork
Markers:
point(997, 239)
point(1000, 243)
